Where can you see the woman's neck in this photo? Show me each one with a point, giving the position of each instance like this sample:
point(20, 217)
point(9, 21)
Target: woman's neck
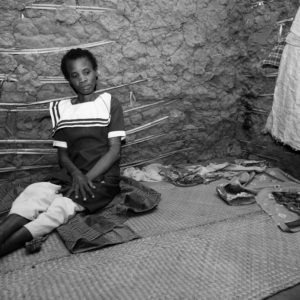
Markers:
point(85, 98)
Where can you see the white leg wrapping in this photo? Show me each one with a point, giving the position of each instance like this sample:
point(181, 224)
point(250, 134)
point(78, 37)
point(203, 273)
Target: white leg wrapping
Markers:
point(58, 213)
point(35, 199)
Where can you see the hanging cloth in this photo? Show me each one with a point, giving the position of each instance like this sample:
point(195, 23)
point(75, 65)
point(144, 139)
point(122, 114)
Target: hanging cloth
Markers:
point(274, 57)
point(284, 119)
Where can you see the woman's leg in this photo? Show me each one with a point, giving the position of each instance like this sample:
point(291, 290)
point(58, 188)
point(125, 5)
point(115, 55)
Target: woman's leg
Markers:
point(58, 213)
point(15, 241)
point(36, 198)
point(11, 224)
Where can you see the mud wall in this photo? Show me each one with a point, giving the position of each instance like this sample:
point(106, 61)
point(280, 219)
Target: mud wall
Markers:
point(202, 54)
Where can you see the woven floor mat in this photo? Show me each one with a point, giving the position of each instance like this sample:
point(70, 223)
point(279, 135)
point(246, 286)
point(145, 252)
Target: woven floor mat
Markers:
point(244, 258)
point(53, 248)
point(180, 208)
point(186, 207)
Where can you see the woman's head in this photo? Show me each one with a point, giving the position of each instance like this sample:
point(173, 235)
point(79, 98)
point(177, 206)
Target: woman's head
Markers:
point(79, 67)
point(74, 54)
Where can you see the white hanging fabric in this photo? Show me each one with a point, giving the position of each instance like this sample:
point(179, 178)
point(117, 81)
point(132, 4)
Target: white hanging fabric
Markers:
point(283, 122)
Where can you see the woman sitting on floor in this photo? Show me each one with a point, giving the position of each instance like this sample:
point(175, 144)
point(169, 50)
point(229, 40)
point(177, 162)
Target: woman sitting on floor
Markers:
point(87, 132)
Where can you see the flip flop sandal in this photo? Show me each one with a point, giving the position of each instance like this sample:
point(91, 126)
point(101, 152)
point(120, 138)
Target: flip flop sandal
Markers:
point(233, 195)
point(35, 245)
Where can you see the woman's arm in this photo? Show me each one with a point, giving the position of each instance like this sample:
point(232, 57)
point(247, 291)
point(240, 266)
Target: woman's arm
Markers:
point(107, 160)
point(81, 184)
point(65, 161)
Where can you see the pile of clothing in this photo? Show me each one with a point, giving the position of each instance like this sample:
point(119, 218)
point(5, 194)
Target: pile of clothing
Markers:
point(186, 176)
point(246, 182)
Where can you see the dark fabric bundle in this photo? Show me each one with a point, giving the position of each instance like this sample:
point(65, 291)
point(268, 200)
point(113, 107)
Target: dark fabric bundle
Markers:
point(106, 227)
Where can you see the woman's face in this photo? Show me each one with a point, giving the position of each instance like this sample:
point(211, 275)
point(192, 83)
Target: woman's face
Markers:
point(83, 77)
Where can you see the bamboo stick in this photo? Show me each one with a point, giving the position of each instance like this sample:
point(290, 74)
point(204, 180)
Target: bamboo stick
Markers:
point(265, 95)
point(259, 110)
point(25, 109)
point(149, 105)
point(149, 139)
point(145, 139)
point(4, 77)
point(25, 168)
point(20, 141)
point(285, 21)
point(53, 81)
point(271, 75)
point(140, 162)
point(77, 7)
point(51, 77)
point(171, 133)
point(146, 126)
point(28, 151)
point(143, 106)
point(14, 51)
point(71, 97)
point(44, 79)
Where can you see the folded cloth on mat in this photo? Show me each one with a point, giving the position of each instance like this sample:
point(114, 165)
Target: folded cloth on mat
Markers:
point(284, 218)
point(86, 232)
point(148, 173)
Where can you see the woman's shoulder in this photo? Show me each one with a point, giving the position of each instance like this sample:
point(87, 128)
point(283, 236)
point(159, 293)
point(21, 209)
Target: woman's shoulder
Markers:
point(105, 97)
point(60, 103)
point(104, 100)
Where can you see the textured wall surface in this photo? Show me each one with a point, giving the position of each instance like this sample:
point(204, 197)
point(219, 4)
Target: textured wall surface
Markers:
point(204, 54)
